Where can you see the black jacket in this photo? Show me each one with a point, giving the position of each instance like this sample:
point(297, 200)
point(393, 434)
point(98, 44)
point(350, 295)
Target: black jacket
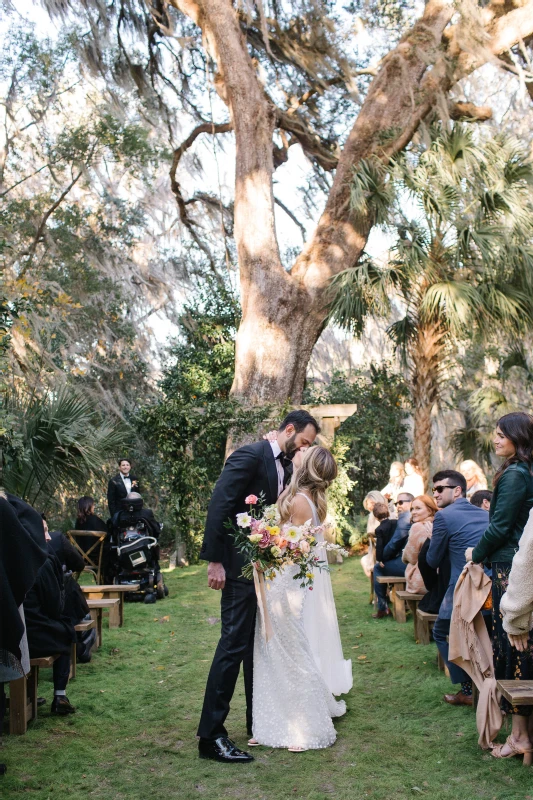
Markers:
point(383, 534)
point(70, 559)
point(22, 553)
point(49, 630)
point(436, 581)
point(249, 470)
point(126, 518)
point(116, 491)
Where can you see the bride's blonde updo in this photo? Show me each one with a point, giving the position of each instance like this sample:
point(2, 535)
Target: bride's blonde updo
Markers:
point(316, 473)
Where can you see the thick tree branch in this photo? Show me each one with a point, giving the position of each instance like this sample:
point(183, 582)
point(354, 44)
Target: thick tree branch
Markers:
point(44, 220)
point(206, 127)
point(469, 112)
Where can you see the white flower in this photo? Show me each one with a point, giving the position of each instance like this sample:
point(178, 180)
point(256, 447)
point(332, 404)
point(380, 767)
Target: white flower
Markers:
point(255, 537)
point(292, 533)
point(244, 520)
point(271, 514)
point(276, 551)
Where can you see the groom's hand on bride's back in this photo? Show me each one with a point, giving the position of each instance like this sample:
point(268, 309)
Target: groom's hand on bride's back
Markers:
point(216, 575)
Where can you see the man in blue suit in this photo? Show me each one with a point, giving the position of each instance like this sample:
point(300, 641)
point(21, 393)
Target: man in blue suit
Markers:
point(457, 525)
point(392, 563)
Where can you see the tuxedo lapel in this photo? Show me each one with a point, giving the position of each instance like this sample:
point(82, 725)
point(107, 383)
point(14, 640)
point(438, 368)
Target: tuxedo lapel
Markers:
point(272, 473)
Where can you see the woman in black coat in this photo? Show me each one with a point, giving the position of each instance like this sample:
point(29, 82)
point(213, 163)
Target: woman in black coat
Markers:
point(49, 630)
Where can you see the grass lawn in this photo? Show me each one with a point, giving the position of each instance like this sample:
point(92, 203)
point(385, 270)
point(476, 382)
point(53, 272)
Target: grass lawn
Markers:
point(139, 701)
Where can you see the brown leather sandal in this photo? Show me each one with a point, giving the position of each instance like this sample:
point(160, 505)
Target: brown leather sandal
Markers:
point(515, 750)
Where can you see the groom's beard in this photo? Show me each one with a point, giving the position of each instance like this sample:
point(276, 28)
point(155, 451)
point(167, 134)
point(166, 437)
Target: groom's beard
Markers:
point(290, 447)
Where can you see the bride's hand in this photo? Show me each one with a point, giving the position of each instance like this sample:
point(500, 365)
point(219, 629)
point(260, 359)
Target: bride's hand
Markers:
point(272, 436)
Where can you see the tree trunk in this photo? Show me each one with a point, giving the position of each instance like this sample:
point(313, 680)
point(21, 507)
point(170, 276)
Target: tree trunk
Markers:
point(284, 313)
point(427, 356)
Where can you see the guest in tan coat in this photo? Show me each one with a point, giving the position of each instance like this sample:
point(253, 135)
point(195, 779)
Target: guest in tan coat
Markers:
point(423, 509)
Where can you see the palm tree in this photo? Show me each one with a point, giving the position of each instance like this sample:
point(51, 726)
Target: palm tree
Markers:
point(66, 443)
point(461, 264)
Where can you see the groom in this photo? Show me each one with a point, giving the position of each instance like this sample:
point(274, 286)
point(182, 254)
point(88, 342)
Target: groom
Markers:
point(260, 468)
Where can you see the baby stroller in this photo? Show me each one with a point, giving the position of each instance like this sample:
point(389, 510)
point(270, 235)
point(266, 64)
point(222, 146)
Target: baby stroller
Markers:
point(134, 551)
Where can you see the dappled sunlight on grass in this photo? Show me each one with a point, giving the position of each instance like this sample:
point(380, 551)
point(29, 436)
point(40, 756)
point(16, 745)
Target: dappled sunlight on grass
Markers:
point(139, 702)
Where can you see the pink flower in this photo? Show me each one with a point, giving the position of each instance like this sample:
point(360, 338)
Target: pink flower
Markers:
point(265, 541)
point(304, 546)
point(251, 500)
point(310, 588)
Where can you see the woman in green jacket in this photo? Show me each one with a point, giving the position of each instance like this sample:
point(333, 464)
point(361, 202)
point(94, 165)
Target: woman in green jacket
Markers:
point(509, 511)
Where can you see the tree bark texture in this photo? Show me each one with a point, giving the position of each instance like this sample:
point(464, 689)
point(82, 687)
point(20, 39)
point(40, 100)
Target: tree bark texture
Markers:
point(428, 358)
point(283, 313)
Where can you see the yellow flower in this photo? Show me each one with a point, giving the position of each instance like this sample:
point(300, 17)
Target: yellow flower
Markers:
point(309, 575)
point(274, 530)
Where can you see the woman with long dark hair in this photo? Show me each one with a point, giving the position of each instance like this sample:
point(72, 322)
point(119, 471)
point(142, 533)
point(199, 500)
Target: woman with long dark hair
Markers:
point(509, 511)
point(87, 520)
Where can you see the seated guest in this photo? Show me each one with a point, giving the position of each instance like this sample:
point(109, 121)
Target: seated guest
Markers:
point(457, 525)
point(369, 559)
point(394, 486)
point(385, 529)
point(133, 511)
point(22, 554)
point(121, 485)
point(436, 581)
point(482, 499)
point(49, 630)
point(392, 563)
point(423, 509)
point(75, 607)
point(87, 520)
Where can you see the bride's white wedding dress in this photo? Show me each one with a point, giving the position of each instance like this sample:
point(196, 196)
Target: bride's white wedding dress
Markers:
point(292, 704)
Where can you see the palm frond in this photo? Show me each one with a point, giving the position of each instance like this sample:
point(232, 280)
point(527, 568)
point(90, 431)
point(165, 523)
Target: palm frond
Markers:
point(66, 442)
point(455, 302)
point(372, 190)
point(359, 293)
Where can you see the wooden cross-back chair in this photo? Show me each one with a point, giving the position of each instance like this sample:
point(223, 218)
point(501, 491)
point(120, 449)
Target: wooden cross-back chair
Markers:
point(93, 556)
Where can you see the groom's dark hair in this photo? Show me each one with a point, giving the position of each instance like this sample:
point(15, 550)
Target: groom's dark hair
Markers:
point(300, 419)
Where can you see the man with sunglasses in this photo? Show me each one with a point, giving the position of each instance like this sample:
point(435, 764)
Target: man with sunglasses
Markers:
point(457, 525)
point(392, 563)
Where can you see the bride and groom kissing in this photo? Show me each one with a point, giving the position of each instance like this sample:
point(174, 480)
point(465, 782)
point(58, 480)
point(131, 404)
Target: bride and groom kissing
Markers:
point(291, 679)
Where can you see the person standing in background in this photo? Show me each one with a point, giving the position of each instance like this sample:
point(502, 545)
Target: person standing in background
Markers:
point(394, 486)
point(475, 477)
point(121, 485)
point(413, 482)
point(511, 504)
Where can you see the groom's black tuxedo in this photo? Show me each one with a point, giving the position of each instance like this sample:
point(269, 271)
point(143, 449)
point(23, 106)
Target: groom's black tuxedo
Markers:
point(249, 470)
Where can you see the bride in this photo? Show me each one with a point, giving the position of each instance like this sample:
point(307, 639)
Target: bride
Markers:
point(292, 704)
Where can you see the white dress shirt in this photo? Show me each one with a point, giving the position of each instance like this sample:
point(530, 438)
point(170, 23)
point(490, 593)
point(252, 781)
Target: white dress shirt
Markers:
point(276, 449)
point(127, 482)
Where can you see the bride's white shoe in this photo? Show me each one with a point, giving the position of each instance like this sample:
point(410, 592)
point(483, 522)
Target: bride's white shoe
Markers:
point(253, 743)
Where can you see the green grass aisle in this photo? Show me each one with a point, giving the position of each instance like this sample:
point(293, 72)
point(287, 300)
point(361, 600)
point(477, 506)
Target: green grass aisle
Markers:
point(139, 701)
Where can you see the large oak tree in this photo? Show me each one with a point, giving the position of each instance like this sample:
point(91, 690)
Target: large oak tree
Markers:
point(284, 311)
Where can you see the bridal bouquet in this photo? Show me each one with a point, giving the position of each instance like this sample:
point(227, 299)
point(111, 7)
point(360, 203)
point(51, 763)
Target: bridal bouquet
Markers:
point(269, 547)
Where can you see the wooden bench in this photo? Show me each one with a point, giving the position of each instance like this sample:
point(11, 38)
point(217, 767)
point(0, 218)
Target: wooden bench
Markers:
point(410, 600)
point(111, 592)
point(425, 624)
point(86, 625)
point(23, 696)
point(398, 606)
point(96, 607)
point(518, 693)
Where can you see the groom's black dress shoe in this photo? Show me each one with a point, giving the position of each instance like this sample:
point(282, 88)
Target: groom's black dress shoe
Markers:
point(222, 749)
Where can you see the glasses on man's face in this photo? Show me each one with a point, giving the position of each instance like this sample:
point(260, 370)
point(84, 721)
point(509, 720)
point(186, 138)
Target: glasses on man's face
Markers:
point(400, 502)
point(441, 487)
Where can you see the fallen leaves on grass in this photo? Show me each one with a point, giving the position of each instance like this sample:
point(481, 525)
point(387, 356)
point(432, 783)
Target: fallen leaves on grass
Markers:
point(213, 620)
